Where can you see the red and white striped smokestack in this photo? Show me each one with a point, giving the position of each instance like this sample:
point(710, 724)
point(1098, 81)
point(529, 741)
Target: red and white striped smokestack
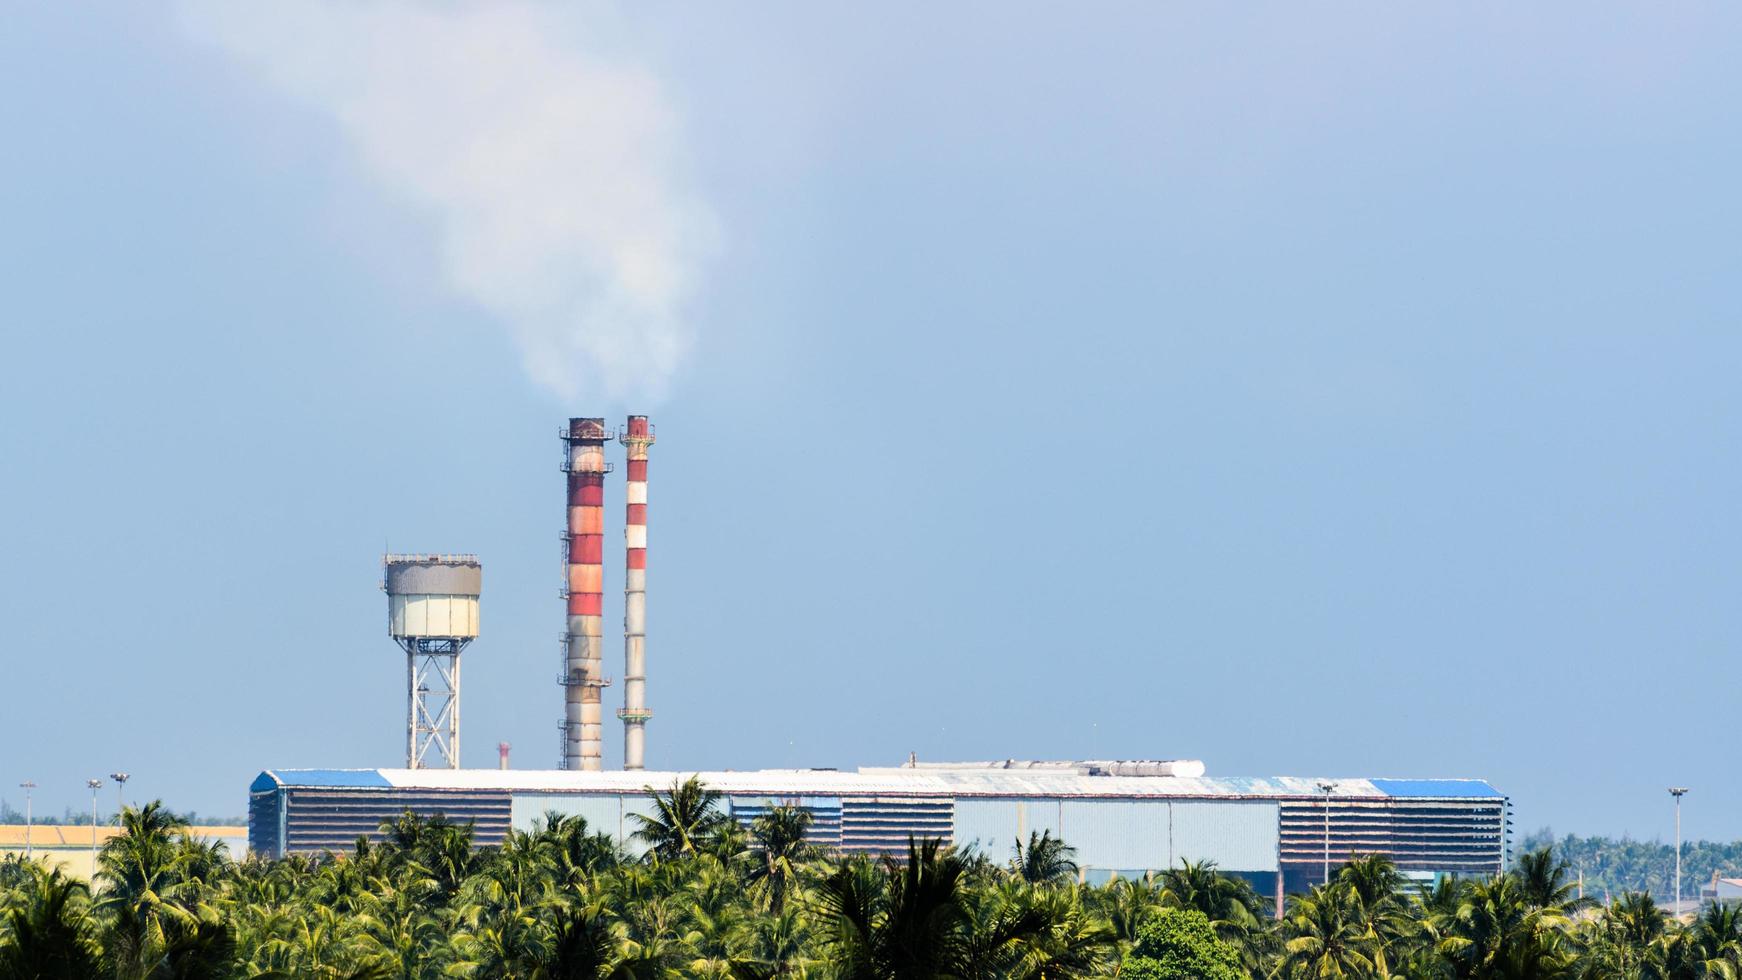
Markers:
point(637, 436)
point(583, 663)
point(502, 754)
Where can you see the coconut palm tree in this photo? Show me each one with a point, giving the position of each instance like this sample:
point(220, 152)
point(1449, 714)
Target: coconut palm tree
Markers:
point(925, 917)
point(1126, 905)
point(584, 946)
point(1235, 911)
point(1376, 886)
point(684, 820)
point(1627, 940)
point(779, 945)
point(1547, 882)
point(1434, 911)
point(907, 920)
point(48, 933)
point(579, 852)
point(17, 872)
point(1715, 940)
point(397, 928)
point(1045, 859)
point(780, 850)
point(158, 924)
point(1497, 934)
point(1326, 937)
point(1045, 933)
point(852, 902)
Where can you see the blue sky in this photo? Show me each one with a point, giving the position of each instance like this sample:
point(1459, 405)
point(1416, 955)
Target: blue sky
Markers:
point(1312, 392)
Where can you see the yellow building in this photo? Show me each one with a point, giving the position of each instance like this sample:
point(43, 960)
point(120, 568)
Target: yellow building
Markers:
point(69, 847)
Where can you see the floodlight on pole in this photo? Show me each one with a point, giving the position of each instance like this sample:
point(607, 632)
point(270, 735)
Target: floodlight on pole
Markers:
point(94, 784)
point(27, 786)
point(1678, 792)
point(120, 779)
point(1325, 788)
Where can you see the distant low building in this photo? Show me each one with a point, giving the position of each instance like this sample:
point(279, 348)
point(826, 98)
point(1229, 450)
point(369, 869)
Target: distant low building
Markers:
point(68, 847)
point(1722, 890)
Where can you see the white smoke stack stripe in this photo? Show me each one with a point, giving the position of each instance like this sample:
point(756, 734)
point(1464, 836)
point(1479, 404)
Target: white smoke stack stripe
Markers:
point(637, 436)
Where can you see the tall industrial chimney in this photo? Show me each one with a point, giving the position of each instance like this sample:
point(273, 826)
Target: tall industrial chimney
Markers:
point(583, 675)
point(637, 436)
point(432, 613)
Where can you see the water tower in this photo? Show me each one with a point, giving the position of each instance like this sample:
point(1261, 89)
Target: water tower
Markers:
point(432, 613)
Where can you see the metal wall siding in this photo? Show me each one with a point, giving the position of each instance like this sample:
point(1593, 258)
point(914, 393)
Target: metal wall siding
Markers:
point(266, 823)
point(989, 826)
point(995, 825)
point(1467, 835)
point(602, 813)
point(633, 805)
point(1238, 836)
point(1117, 833)
point(1041, 816)
point(322, 819)
point(825, 813)
point(432, 615)
point(886, 825)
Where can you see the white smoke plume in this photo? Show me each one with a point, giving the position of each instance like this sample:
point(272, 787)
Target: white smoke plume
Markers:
point(545, 160)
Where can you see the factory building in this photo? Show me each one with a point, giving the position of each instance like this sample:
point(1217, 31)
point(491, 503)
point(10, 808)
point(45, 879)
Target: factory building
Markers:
point(1123, 818)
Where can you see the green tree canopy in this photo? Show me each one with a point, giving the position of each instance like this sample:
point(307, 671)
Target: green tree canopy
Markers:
point(1179, 944)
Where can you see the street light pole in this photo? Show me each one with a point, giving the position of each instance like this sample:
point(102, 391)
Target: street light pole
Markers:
point(27, 786)
point(1326, 788)
point(1678, 792)
point(120, 779)
point(94, 784)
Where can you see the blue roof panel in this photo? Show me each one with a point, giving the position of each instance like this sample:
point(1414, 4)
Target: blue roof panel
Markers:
point(367, 778)
point(1435, 787)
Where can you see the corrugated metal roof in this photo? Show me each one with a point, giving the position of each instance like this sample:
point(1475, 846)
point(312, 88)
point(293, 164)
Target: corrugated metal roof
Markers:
point(1435, 787)
point(928, 782)
point(329, 777)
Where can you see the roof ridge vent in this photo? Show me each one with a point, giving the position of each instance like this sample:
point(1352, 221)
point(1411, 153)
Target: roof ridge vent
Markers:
point(1184, 768)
